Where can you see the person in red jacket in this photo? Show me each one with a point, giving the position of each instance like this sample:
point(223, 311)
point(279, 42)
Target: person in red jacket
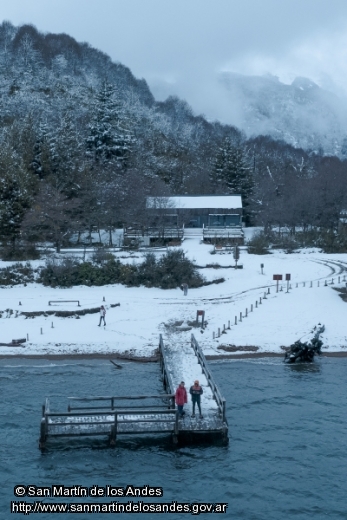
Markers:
point(181, 398)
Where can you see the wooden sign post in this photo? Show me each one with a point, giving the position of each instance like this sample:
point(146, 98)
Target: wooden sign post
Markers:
point(236, 254)
point(277, 277)
point(202, 314)
point(288, 280)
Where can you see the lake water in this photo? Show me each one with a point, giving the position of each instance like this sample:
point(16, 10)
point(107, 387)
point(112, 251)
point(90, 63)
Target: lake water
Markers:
point(286, 457)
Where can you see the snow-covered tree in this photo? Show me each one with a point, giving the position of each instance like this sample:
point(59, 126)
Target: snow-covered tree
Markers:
point(14, 196)
point(232, 169)
point(109, 140)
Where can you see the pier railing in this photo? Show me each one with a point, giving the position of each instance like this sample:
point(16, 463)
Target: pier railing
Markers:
point(221, 402)
point(113, 402)
point(103, 420)
point(164, 369)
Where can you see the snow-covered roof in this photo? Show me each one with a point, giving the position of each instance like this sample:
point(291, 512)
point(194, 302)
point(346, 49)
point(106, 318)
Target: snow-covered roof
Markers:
point(196, 202)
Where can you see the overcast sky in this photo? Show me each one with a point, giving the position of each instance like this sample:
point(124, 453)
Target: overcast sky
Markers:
point(179, 46)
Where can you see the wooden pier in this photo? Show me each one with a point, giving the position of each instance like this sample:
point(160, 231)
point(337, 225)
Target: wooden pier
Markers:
point(113, 416)
point(182, 361)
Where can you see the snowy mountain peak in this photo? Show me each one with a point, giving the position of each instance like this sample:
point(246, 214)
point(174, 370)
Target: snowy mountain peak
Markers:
point(301, 113)
point(304, 83)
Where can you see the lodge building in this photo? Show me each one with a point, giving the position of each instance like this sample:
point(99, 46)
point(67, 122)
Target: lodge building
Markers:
point(216, 218)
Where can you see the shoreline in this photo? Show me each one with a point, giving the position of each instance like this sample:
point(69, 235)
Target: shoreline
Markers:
point(155, 359)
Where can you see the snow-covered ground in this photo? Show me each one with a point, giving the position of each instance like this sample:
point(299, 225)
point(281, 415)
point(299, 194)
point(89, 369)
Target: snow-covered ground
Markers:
point(134, 326)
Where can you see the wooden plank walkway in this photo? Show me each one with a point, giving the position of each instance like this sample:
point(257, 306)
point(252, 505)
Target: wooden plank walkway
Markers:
point(123, 415)
point(184, 361)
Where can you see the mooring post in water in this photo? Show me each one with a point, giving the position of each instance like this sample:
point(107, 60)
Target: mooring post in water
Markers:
point(228, 324)
point(113, 433)
point(42, 440)
point(268, 290)
point(246, 313)
point(218, 332)
point(27, 337)
point(235, 320)
point(240, 316)
point(260, 300)
point(256, 304)
point(41, 330)
point(212, 335)
point(251, 307)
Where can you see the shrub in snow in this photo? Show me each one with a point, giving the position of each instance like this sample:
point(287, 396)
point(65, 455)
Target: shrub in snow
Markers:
point(168, 272)
point(17, 274)
point(259, 244)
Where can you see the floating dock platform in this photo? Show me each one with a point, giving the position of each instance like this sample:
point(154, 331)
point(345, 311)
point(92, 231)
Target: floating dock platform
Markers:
point(112, 416)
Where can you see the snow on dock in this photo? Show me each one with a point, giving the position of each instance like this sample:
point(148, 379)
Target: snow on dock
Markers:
point(149, 414)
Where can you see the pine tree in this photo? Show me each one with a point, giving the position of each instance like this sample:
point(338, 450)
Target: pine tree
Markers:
point(232, 170)
point(65, 154)
point(41, 157)
point(109, 140)
point(14, 196)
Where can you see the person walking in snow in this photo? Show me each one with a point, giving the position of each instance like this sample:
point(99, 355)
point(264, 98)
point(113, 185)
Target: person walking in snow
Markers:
point(185, 289)
point(102, 315)
point(196, 391)
point(181, 398)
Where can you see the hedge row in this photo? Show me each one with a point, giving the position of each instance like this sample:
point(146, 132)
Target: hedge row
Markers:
point(167, 272)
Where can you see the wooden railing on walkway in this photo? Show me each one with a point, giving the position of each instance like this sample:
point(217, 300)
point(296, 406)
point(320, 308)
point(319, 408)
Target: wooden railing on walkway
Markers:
point(164, 369)
point(221, 402)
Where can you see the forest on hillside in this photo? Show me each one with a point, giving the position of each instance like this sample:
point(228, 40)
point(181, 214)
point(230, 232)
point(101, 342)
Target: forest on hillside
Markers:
point(83, 142)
